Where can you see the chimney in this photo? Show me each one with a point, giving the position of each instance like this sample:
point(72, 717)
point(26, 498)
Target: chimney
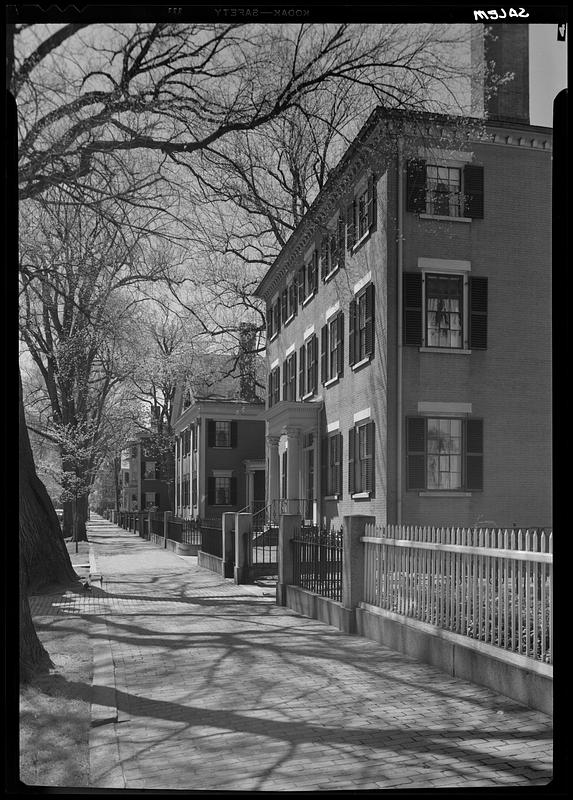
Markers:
point(247, 364)
point(507, 46)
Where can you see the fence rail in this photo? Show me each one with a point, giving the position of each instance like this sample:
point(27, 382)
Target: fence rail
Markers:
point(492, 585)
point(317, 561)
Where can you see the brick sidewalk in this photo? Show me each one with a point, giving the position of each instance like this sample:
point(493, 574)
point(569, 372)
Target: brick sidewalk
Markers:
point(204, 685)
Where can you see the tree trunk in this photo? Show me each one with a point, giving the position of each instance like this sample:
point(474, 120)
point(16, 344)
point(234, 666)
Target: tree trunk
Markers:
point(44, 559)
point(33, 656)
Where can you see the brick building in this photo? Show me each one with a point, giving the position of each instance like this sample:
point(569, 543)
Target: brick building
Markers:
point(143, 484)
point(409, 323)
point(219, 449)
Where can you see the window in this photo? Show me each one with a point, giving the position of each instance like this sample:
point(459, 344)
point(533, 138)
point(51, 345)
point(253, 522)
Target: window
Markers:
point(361, 459)
point(185, 493)
point(221, 433)
point(149, 470)
point(332, 250)
point(361, 214)
point(332, 348)
point(361, 333)
point(274, 387)
point(332, 465)
point(290, 301)
point(274, 318)
point(444, 300)
point(308, 367)
point(284, 473)
point(445, 191)
point(289, 378)
point(222, 491)
point(151, 499)
point(445, 310)
point(444, 453)
point(126, 478)
point(307, 279)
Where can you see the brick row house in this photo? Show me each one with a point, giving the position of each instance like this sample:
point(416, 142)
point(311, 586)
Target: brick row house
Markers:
point(409, 324)
point(143, 482)
point(219, 452)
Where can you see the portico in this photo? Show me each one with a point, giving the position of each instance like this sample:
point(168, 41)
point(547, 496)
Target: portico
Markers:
point(293, 458)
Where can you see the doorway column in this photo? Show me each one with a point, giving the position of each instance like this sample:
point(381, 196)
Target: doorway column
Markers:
point(293, 471)
point(273, 469)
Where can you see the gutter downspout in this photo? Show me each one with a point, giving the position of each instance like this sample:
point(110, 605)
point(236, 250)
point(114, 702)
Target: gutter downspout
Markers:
point(399, 366)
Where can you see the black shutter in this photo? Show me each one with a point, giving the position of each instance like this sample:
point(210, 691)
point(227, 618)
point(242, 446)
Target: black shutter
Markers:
point(301, 369)
point(372, 203)
point(340, 345)
point(211, 491)
point(233, 491)
point(157, 499)
point(416, 186)
point(341, 242)
point(269, 321)
point(478, 312)
point(369, 487)
point(473, 191)
point(339, 464)
point(284, 304)
point(323, 256)
point(278, 315)
point(314, 346)
point(210, 433)
point(351, 436)
point(301, 283)
point(352, 332)
point(233, 433)
point(324, 354)
point(315, 272)
point(474, 454)
point(412, 304)
point(369, 333)
point(324, 466)
point(285, 381)
point(350, 234)
point(416, 452)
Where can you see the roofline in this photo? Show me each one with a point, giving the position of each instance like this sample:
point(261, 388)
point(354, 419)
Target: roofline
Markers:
point(346, 159)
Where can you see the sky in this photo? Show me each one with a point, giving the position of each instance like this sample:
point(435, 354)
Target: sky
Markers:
point(547, 71)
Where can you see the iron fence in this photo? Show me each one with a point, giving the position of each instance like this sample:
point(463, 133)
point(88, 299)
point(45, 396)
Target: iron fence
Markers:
point(211, 536)
point(317, 561)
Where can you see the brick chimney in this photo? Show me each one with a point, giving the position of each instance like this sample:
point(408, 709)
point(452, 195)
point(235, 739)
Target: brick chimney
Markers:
point(507, 46)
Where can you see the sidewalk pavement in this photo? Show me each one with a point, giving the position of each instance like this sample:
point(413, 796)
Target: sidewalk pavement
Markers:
point(200, 684)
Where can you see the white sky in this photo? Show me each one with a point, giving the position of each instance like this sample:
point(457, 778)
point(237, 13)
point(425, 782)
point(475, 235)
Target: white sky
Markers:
point(547, 71)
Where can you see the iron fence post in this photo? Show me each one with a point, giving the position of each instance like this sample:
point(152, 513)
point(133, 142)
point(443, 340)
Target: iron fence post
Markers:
point(243, 523)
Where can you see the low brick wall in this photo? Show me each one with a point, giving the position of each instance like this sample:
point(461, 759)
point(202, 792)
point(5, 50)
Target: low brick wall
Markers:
point(523, 679)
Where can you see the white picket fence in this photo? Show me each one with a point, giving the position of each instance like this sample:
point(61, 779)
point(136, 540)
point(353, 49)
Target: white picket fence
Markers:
point(492, 585)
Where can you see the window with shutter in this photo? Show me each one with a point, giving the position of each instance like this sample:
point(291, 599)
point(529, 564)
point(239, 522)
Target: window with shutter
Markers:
point(362, 331)
point(444, 454)
point(324, 354)
point(301, 283)
point(332, 461)
point(416, 186)
point(361, 459)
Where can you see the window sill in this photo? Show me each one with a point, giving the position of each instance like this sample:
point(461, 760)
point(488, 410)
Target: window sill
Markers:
point(332, 497)
point(331, 381)
point(221, 447)
point(361, 363)
point(361, 496)
point(458, 350)
point(444, 493)
point(307, 396)
point(273, 337)
point(332, 273)
point(288, 320)
point(357, 245)
point(307, 300)
point(445, 218)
